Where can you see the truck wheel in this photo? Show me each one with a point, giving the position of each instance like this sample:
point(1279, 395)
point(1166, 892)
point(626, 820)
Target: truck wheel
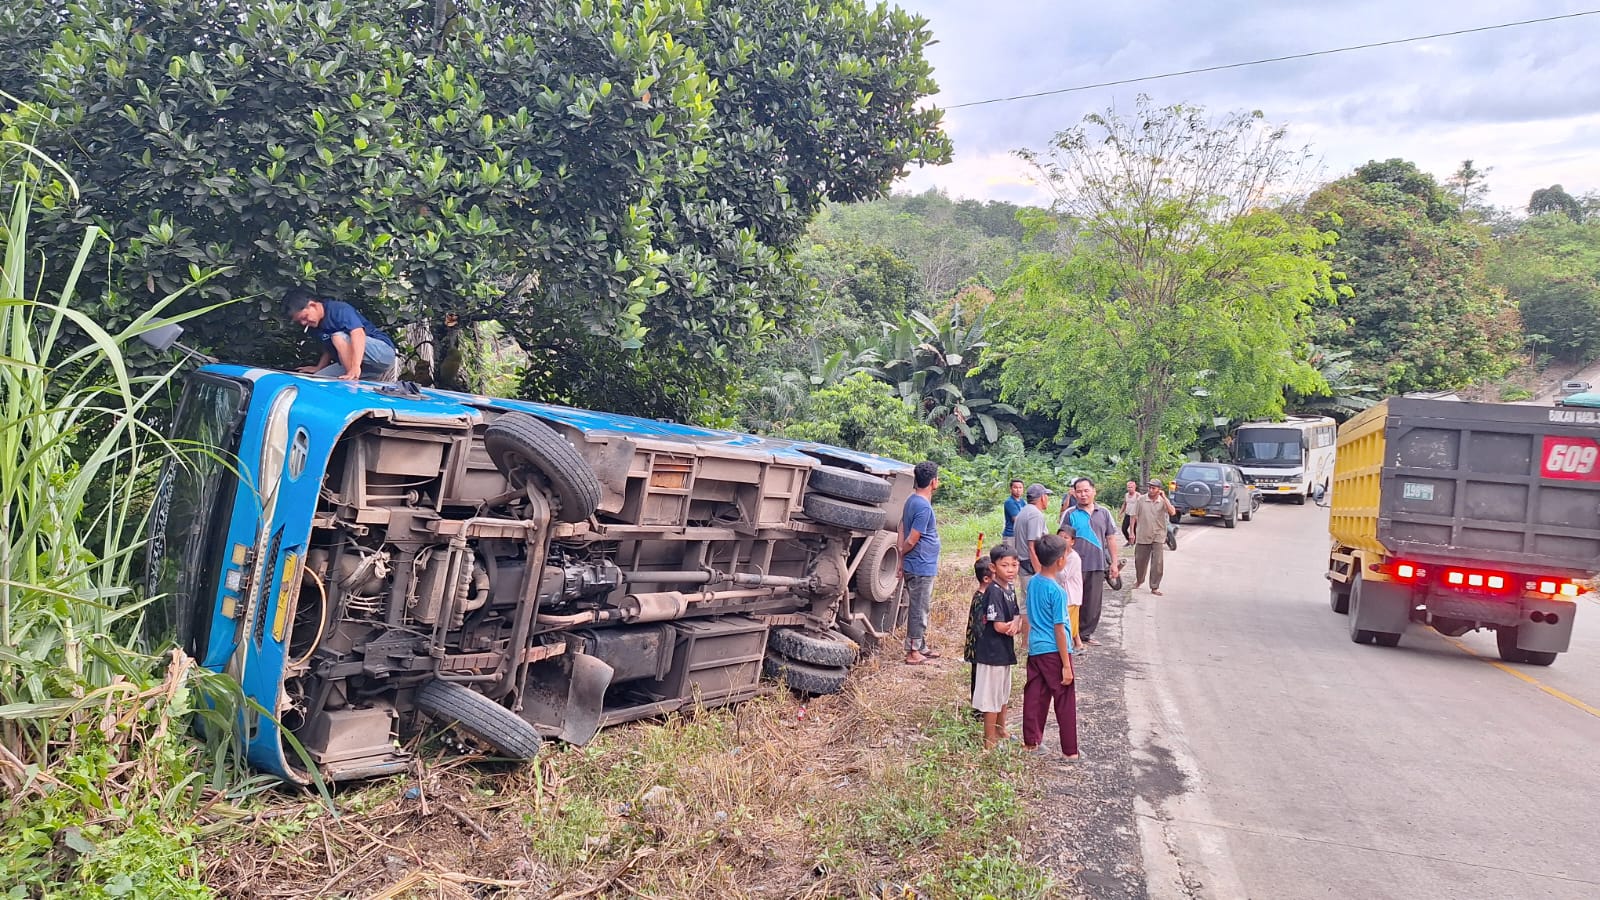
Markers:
point(843, 513)
point(1339, 598)
point(813, 647)
point(1505, 640)
point(805, 678)
point(878, 576)
point(848, 484)
point(525, 448)
point(486, 721)
point(1299, 499)
point(1359, 635)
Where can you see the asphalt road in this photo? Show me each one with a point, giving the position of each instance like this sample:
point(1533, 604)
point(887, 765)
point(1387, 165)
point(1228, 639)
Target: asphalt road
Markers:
point(1276, 758)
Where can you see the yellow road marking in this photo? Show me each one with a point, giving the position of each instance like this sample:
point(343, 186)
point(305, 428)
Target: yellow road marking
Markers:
point(1563, 696)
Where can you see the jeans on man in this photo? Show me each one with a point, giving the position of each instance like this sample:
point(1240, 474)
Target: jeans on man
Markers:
point(920, 589)
point(375, 359)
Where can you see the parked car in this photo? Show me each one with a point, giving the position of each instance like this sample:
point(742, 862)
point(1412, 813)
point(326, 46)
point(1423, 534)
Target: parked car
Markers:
point(1214, 490)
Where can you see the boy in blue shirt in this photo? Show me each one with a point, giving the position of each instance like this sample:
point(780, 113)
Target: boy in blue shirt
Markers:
point(1050, 641)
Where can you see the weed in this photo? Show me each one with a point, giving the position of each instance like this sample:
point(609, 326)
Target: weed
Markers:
point(996, 875)
point(99, 775)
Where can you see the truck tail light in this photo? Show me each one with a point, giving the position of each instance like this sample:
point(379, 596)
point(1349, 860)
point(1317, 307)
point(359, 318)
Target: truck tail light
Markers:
point(1402, 571)
point(1554, 588)
point(1469, 578)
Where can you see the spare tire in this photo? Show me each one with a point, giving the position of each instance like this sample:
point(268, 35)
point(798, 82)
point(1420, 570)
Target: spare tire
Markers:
point(524, 448)
point(878, 575)
point(483, 719)
point(1196, 495)
point(804, 677)
point(848, 484)
point(843, 513)
point(813, 647)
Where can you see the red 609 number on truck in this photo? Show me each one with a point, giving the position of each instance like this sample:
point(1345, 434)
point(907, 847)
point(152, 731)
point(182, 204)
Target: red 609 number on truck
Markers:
point(1570, 458)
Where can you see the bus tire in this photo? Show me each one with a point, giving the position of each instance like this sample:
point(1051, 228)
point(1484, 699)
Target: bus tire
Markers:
point(803, 677)
point(523, 447)
point(813, 647)
point(827, 510)
point(848, 484)
point(878, 575)
point(451, 704)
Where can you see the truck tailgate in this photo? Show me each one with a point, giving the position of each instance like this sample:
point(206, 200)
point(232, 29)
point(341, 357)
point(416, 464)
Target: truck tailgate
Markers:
point(1497, 482)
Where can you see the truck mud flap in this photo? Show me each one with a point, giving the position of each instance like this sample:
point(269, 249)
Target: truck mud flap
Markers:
point(564, 697)
point(1546, 626)
point(1384, 608)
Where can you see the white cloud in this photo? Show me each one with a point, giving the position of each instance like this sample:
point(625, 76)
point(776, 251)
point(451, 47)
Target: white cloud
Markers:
point(1525, 101)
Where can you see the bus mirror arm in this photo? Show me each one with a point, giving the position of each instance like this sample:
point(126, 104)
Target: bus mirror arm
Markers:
point(165, 337)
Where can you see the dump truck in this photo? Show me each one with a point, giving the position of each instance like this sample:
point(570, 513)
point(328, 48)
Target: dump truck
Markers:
point(373, 561)
point(1466, 516)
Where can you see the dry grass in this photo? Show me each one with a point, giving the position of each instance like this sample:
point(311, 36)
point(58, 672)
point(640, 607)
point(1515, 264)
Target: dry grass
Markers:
point(876, 791)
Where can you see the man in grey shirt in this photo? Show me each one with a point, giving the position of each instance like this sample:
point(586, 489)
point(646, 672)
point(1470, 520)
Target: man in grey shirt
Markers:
point(1029, 527)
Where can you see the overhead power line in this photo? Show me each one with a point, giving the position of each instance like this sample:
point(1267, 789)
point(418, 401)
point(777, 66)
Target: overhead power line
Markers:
point(1274, 59)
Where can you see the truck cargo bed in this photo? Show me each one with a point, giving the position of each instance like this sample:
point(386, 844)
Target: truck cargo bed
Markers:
point(1518, 485)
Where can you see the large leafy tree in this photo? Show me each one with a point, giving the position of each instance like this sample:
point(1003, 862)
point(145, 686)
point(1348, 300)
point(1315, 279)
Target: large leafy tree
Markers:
point(1550, 265)
point(1422, 315)
point(619, 185)
point(1183, 296)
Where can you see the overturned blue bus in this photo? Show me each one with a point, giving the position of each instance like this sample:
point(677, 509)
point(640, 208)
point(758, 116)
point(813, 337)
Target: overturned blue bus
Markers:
point(367, 558)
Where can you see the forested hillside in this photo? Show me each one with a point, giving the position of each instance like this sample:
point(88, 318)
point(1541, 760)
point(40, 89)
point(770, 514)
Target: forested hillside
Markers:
point(1425, 289)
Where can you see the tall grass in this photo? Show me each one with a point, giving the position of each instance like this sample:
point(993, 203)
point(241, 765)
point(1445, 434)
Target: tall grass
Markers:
point(93, 754)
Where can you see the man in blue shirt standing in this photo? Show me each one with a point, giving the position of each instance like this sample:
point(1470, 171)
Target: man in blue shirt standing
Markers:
point(352, 347)
point(1014, 505)
point(919, 560)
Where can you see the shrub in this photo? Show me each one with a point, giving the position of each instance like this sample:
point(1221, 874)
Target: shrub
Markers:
point(864, 414)
point(980, 483)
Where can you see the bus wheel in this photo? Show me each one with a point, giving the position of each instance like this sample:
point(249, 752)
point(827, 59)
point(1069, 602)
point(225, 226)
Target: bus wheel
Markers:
point(483, 719)
point(524, 448)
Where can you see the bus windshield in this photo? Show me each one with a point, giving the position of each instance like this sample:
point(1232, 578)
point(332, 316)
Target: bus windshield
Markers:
point(1269, 447)
point(189, 516)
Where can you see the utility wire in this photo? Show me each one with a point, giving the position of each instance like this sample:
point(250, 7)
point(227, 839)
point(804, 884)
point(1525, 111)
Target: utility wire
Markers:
point(1258, 62)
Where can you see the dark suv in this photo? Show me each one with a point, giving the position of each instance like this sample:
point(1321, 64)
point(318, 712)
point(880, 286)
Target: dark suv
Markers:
point(1214, 489)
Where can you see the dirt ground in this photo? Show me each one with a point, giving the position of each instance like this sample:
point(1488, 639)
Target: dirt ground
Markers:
point(746, 816)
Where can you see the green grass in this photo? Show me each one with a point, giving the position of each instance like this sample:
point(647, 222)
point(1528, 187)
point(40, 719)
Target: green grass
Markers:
point(101, 780)
point(958, 533)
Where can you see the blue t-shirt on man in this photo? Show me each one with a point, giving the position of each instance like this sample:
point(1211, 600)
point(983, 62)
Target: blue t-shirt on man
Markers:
point(918, 516)
point(1047, 607)
point(1014, 505)
point(338, 316)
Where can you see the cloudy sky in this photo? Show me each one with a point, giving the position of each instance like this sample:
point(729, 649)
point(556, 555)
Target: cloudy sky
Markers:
point(1524, 101)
